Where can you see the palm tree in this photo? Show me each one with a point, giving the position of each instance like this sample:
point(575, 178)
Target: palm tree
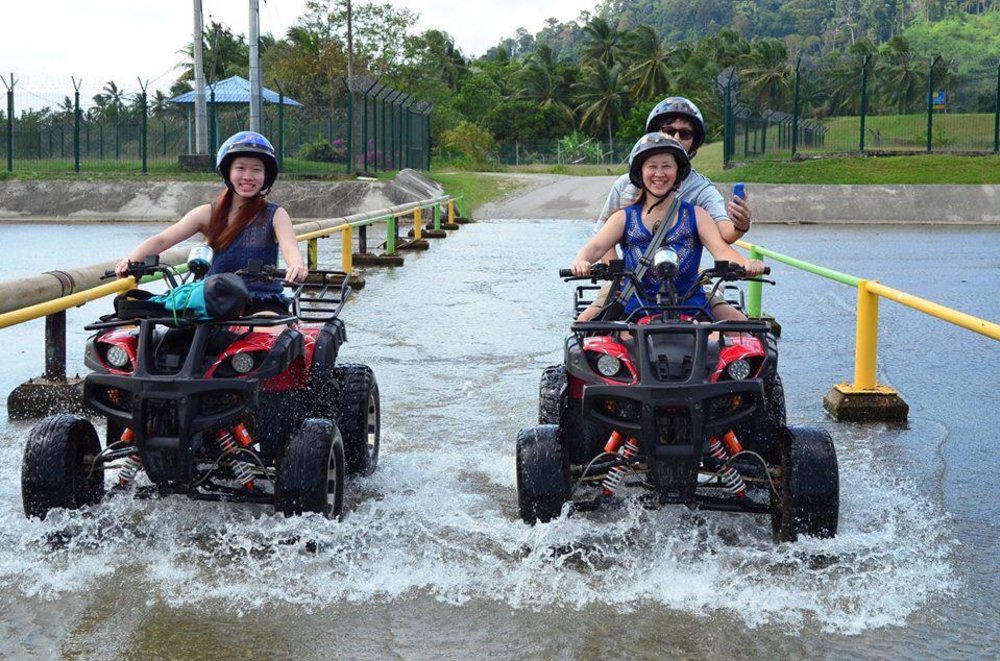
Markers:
point(540, 80)
point(602, 96)
point(110, 102)
point(767, 72)
point(603, 42)
point(897, 68)
point(649, 73)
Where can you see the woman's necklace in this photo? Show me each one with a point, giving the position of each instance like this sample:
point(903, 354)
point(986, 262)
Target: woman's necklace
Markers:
point(657, 222)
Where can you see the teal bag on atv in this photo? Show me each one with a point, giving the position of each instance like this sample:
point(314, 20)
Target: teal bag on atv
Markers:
point(222, 296)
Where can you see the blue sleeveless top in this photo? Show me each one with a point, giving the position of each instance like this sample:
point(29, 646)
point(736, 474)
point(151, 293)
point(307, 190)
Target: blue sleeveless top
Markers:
point(682, 238)
point(256, 241)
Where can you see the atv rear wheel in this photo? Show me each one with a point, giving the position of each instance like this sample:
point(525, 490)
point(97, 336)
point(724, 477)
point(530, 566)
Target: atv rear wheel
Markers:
point(58, 468)
point(359, 417)
point(310, 477)
point(543, 479)
point(809, 495)
point(551, 394)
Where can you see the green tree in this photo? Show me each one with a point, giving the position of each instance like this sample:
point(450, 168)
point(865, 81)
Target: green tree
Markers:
point(767, 73)
point(649, 63)
point(602, 98)
point(542, 80)
point(902, 78)
point(602, 42)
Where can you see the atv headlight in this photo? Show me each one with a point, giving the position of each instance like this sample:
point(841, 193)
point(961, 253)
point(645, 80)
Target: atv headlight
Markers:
point(738, 370)
point(117, 356)
point(242, 363)
point(608, 365)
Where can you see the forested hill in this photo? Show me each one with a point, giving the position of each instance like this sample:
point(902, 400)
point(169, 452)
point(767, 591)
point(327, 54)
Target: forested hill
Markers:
point(814, 23)
point(806, 26)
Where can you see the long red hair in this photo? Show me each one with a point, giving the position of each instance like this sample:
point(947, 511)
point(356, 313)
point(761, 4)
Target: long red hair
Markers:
point(221, 233)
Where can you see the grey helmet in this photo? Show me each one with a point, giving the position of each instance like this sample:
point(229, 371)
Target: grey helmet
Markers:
point(678, 106)
point(657, 143)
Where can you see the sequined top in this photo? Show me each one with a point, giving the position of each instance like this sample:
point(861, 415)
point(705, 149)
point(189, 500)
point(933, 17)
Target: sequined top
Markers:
point(682, 238)
point(256, 241)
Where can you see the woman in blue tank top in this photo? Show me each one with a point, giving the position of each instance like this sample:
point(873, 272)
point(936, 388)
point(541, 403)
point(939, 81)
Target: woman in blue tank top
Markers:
point(241, 224)
point(657, 165)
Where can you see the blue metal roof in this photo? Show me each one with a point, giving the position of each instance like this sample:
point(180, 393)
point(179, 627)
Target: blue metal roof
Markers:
point(233, 90)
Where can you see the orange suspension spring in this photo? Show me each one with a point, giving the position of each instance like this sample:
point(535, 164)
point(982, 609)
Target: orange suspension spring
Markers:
point(734, 483)
point(230, 442)
point(616, 474)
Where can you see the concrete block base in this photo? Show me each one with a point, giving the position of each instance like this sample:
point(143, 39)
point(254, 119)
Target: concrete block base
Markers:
point(430, 234)
point(880, 404)
point(463, 221)
point(450, 226)
point(415, 244)
point(196, 162)
point(370, 259)
point(40, 397)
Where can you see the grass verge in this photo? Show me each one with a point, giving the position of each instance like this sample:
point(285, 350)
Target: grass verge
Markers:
point(476, 188)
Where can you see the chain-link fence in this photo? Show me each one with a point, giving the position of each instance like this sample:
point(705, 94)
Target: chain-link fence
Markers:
point(870, 104)
point(561, 152)
point(122, 131)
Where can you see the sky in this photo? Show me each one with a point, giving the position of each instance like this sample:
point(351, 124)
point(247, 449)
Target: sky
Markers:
point(46, 42)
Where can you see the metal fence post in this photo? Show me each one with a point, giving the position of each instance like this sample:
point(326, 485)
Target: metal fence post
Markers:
point(930, 101)
point(428, 142)
point(76, 125)
point(864, 100)
point(10, 122)
point(350, 131)
point(144, 138)
point(281, 129)
point(996, 117)
point(795, 108)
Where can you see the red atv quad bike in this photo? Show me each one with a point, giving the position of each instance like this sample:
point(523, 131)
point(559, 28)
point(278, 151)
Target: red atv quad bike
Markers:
point(245, 409)
point(683, 409)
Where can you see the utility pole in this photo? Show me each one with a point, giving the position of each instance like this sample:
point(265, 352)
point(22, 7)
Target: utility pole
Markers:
point(255, 87)
point(350, 44)
point(200, 109)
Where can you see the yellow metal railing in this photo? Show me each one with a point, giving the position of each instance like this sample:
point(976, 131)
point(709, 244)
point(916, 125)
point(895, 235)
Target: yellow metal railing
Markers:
point(869, 291)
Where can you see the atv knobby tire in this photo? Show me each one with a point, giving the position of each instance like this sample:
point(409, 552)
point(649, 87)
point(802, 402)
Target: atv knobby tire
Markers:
point(310, 477)
point(58, 467)
point(551, 395)
point(358, 416)
point(809, 498)
point(543, 478)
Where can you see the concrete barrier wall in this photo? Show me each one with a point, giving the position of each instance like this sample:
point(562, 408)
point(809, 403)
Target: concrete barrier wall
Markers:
point(169, 200)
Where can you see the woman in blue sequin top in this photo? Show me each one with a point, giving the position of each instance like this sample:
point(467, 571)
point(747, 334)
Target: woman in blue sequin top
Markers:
point(241, 224)
point(657, 165)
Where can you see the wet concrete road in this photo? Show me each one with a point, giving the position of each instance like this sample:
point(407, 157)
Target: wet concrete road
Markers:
point(431, 558)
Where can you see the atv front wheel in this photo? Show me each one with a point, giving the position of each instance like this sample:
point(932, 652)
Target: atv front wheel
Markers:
point(808, 502)
point(359, 417)
point(543, 479)
point(310, 477)
point(59, 466)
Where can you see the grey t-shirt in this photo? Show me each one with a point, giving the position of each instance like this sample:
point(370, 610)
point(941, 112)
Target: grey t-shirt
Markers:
point(696, 189)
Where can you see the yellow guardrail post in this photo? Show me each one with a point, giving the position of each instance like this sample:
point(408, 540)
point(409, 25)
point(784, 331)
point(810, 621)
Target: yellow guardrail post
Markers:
point(865, 399)
point(346, 250)
point(418, 230)
point(866, 342)
point(451, 212)
point(312, 254)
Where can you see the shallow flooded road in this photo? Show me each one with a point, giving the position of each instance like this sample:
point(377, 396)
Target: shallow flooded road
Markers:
point(431, 560)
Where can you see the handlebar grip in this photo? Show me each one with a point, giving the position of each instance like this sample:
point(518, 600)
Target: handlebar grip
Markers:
point(767, 270)
point(565, 273)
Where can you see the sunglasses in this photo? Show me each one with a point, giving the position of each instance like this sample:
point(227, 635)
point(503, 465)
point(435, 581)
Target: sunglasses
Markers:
point(680, 134)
